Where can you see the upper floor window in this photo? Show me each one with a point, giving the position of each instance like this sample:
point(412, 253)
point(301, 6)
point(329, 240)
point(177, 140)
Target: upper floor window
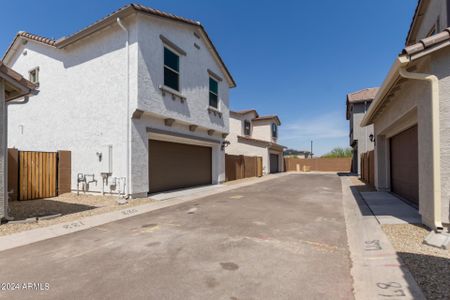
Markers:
point(34, 75)
point(274, 130)
point(213, 93)
point(247, 127)
point(171, 69)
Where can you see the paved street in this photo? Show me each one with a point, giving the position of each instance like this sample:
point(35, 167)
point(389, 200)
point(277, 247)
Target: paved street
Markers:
point(280, 239)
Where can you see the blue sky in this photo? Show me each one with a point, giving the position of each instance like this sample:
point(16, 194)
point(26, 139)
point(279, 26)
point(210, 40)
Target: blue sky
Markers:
point(296, 59)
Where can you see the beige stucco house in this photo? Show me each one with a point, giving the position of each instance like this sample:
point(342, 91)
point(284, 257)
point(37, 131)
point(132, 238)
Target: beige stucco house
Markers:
point(12, 87)
point(361, 137)
point(255, 135)
point(411, 114)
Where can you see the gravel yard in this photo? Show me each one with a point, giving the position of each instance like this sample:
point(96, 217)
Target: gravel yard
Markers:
point(430, 266)
point(70, 206)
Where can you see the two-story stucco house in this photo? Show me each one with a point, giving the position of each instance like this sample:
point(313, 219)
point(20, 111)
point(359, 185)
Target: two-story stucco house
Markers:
point(140, 97)
point(360, 136)
point(13, 87)
point(411, 114)
point(255, 135)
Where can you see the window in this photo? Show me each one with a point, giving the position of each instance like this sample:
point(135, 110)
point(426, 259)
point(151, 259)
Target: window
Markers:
point(171, 69)
point(213, 93)
point(34, 75)
point(274, 130)
point(247, 127)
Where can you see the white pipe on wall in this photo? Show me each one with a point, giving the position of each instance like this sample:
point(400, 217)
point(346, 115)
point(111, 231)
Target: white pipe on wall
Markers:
point(128, 144)
point(5, 148)
point(435, 138)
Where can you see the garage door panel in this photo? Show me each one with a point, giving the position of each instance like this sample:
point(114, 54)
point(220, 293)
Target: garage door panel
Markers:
point(274, 163)
point(176, 165)
point(404, 165)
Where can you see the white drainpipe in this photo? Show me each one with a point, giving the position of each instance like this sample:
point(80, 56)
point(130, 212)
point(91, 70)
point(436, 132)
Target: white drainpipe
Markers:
point(128, 145)
point(435, 138)
point(5, 150)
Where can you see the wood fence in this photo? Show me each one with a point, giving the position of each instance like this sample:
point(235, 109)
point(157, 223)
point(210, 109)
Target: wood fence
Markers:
point(318, 164)
point(36, 175)
point(368, 167)
point(240, 166)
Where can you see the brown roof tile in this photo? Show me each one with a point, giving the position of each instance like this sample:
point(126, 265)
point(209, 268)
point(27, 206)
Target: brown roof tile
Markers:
point(428, 42)
point(272, 117)
point(362, 95)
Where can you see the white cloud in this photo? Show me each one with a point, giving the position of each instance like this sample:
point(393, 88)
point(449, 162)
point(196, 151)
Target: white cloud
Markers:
point(328, 130)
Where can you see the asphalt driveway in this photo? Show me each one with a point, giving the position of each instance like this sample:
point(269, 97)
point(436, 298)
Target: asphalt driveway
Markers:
point(280, 239)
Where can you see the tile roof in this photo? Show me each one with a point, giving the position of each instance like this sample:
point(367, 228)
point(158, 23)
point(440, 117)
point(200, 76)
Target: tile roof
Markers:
point(272, 117)
point(262, 142)
point(428, 42)
point(62, 42)
point(244, 112)
point(362, 95)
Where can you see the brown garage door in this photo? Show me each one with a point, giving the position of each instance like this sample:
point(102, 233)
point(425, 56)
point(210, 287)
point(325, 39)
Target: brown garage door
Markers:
point(174, 165)
point(273, 163)
point(404, 165)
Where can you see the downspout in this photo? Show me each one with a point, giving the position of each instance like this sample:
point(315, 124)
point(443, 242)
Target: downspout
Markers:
point(5, 150)
point(128, 144)
point(435, 140)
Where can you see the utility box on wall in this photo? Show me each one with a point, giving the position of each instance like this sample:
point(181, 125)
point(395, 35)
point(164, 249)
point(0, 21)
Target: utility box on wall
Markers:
point(105, 159)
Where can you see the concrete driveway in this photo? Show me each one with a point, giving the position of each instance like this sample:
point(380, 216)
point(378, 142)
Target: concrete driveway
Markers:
point(281, 239)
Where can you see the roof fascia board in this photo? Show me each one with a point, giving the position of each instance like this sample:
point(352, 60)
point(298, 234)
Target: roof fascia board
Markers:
point(384, 90)
point(64, 42)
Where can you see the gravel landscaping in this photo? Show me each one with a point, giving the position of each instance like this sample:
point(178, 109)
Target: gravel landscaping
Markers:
point(430, 266)
point(70, 207)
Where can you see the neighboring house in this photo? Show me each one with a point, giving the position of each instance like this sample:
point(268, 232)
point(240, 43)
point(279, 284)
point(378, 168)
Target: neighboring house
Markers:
point(297, 153)
point(357, 105)
point(140, 97)
point(12, 87)
point(411, 114)
point(254, 135)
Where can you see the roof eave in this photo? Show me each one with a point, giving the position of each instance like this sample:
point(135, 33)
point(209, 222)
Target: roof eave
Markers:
point(384, 90)
point(66, 41)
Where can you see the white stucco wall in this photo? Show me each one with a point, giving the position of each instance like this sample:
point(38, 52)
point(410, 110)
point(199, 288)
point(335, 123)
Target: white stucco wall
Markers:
point(2, 155)
point(194, 85)
point(81, 106)
point(262, 130)
point(361, 134)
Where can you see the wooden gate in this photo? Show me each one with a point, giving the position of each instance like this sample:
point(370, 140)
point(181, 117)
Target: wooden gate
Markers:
point(37, 175)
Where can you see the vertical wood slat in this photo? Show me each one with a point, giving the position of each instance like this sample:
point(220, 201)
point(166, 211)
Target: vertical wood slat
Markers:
point(37, 175)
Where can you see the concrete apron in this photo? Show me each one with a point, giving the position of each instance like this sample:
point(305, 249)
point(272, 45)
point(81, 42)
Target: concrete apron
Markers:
point(44, 233)
point(378, 272)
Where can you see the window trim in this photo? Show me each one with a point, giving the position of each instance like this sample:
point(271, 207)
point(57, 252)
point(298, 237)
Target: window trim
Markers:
point(274, 131)
point(209, 92)
point(169, 68)
point(249, 128)
point(36, 69)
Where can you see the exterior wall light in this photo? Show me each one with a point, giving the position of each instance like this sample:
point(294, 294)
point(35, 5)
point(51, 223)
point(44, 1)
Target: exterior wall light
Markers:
point(371, 138)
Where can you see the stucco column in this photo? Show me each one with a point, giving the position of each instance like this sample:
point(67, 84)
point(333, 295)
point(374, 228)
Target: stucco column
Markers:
point(3, 201)
point(382, 163)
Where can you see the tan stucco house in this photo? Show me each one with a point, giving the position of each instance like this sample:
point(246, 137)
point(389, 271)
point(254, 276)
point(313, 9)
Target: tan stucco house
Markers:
point(360, 137)
point(12, 87)
point(411, 114)
point(255, 135)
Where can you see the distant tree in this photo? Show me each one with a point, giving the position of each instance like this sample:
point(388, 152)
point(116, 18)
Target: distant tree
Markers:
point(339, 152)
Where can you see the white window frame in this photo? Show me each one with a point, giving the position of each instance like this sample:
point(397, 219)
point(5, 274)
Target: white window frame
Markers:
point(179, 67)
point(36, 70)
point(209, 91)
